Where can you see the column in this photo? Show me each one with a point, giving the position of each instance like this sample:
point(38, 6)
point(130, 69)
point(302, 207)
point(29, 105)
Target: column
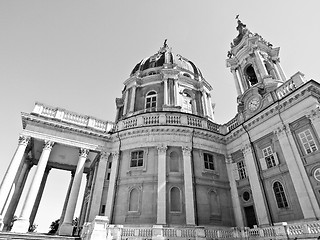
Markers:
point(39, 196)
point(243, 83)
point(161, 201)
point(176, 93)
point(97, 186)
point(22, 178)
point(234, 193)
point(204, 103)
point(22, 224)
point(165, 92)
point(188, 185)
point(260, 205)
point(282, 74)
point(125, 102)
point(210, 106)
point(12, 170)
point(112, 185)
point(236, 81)
point(67, 198)
point(300, 180)
point(133, 98)
point(66, 227)
point(84, 203)
point(260, 64)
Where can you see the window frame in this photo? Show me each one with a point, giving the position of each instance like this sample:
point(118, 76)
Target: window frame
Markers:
point(137, 160)
point(303, 144)
point(180, 200)
point(242, 170)
point(151, 98)
point(280, 196)
point(269, 159)
point(207, 163)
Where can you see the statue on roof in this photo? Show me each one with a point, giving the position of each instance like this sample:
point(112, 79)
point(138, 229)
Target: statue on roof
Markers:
point(242, 29)
point(165, 43)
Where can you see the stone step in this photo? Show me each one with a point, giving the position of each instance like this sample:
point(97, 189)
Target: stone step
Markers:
point(33, 236)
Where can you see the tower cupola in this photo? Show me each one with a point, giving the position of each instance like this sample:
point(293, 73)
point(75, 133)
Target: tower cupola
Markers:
point(254, 62)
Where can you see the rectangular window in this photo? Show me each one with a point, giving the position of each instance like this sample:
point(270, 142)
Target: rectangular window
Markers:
point(110, 164)
point(108, 176)
point(151, 102)
point(269, 157)
point(307, 141)
point(136, 159)
point(103, 209)
point(208, 161)
point(241, 170)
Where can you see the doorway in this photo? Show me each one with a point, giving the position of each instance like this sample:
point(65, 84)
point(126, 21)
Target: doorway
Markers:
point(250, 216)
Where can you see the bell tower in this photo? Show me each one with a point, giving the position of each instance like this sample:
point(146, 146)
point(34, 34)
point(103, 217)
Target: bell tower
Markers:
point(255, 65)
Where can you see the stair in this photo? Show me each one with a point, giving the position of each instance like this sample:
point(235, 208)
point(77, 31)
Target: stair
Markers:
point(33, 236)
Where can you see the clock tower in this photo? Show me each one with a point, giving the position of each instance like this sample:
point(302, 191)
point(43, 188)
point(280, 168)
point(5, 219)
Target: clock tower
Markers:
point(256, 69)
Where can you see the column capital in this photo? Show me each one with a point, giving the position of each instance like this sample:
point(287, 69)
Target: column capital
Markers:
point(48, 144)
point(83, 152)
point(24, 140)
point(228, 159)
point(314, 113)
point(246, 148)
point(115, 154)
point(281, 130)
point(186, 150)
point(104, 155)
point(162, 148)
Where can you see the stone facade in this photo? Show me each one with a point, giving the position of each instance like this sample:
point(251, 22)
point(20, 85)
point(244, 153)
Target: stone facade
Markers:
point(165, 169)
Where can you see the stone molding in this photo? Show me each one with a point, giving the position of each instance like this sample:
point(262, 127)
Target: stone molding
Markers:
point(83, 152)
point(314, 114)
point(246, 149)
point(115, 154)
point(228, 159)
point(104, 155)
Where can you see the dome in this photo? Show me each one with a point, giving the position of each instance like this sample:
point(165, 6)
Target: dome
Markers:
point(165, 57)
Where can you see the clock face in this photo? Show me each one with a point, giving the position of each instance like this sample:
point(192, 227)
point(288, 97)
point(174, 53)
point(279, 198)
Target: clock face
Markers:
point(254, 103)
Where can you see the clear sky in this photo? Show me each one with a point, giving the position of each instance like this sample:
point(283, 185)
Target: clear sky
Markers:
point(76, 54)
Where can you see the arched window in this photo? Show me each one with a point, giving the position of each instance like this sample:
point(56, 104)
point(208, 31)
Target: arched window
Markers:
point(151, 100)
point(214, 203)
point(251, 75)
point(280, 195)
point(134, 200)
point(186, 102)
point(175, 200)
point(174, 162)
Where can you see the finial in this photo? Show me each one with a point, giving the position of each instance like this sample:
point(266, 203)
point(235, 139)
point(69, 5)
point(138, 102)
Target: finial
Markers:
point(165, 43)
point(237, 17)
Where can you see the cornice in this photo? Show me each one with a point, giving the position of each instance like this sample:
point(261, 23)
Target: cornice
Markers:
point(62, 126)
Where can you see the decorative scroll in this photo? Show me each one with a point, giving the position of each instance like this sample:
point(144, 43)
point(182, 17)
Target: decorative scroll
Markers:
point(83, 152)
point(115, 155)
point(24, 140)
point(228, 159)
point(281, 130)
point(104, 155)
point(162, 149)
point(48, 145)
point(246, 149)
point(314, 114)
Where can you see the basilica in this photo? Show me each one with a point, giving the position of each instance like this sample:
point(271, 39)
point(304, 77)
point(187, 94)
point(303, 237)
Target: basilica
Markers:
point(165, 170)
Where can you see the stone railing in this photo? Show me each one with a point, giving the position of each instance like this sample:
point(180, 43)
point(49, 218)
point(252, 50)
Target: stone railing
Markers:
point(232, 124)
point(290, 85)
point(168, 118)
point(100, 227)
point(63, 115)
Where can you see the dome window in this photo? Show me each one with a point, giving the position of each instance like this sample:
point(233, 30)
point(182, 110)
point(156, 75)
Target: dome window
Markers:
point(151, 100)
point(152, 73)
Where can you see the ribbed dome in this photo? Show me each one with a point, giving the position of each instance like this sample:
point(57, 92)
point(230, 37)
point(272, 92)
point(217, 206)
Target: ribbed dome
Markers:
point(171, 60)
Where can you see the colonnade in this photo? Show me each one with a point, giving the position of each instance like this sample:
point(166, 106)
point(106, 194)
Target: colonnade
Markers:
point(14, 181)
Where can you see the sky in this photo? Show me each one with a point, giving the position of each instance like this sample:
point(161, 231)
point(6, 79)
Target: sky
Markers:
point(76, 54)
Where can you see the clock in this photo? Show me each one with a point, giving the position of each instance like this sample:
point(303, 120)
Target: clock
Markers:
point(254, 103)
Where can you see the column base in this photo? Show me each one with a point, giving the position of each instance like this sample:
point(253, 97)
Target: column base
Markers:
point(21, 225)
point(66, 229)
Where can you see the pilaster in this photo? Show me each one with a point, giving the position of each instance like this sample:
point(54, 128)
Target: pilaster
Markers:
point(161, 198)
point(257, 194)
point(314, 117)
point(188, 185)
point(133, 98)
point(234, 193)
point(112, 185)
point(300, 180)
